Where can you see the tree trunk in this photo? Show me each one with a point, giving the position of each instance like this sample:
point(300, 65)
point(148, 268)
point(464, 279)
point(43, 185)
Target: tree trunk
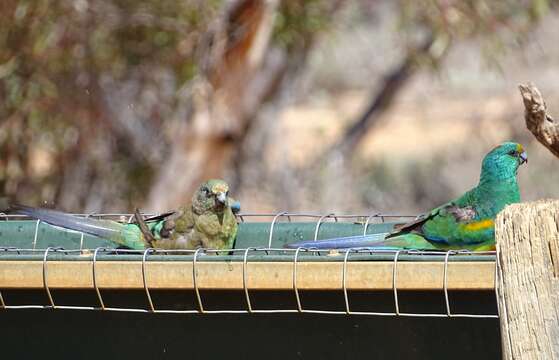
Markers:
point(222, 103)
point(528, 290)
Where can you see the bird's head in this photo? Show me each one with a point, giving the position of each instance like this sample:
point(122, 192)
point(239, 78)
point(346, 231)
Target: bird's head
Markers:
point(503, 161)
point(212, 195)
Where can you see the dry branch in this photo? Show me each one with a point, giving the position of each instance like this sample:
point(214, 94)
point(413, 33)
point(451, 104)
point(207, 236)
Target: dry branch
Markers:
point(538, 121)
point(528, 296)
point(394, 83)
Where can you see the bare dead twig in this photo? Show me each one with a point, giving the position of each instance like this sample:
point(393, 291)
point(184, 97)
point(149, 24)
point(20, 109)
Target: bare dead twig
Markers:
point(538, 121)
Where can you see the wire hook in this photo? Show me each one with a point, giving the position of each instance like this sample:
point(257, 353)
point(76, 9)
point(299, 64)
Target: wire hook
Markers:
point(394, 287)
point(272, 225)
point(320, 220)
point(45, 275)
point(245, 280)
point(144, 257)
point(94, 276)
point(195, 280)
point(366, 226)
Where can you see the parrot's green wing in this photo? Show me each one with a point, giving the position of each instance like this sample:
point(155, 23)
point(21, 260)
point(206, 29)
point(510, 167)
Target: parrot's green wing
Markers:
point(450, 226)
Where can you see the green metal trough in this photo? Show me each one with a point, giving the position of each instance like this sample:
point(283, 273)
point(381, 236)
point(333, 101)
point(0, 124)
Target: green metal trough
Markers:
point(255, 301)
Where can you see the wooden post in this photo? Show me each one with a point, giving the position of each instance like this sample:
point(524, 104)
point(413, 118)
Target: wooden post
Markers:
point(528, 289)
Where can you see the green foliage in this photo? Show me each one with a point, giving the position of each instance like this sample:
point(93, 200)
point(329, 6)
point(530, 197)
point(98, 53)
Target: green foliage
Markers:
point(296, 21)
point(53, 57)
point(493, 23)
point(51, 49)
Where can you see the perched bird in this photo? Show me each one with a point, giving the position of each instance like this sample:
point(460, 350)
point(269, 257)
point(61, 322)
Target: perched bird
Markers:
point(208, 222)
point(464, 223)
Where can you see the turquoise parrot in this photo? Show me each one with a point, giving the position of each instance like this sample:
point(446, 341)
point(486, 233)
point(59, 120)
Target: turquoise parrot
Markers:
point(464, 223)
point(208, 222)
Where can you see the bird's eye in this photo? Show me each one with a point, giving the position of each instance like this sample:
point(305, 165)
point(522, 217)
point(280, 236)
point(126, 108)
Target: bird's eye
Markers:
point(512, 152)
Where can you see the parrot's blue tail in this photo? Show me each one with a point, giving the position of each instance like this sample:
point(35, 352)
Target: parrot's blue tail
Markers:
point(340, 243)
point(102, 228)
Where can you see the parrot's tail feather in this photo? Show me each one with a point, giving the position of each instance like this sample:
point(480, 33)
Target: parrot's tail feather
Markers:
point(340, 243)
point(102, 228)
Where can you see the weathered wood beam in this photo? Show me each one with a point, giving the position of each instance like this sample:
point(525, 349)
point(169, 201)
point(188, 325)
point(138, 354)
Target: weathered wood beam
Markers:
point(528, 296)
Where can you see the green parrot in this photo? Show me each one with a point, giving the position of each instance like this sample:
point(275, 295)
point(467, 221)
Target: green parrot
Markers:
point(464, 223)
point(209, 222)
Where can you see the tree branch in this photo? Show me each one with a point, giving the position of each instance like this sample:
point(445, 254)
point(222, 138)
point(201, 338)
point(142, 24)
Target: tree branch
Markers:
point(543, 126)
point(381, 101)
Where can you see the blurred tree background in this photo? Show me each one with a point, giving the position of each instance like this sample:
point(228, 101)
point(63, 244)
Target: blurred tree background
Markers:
point(323, 105)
